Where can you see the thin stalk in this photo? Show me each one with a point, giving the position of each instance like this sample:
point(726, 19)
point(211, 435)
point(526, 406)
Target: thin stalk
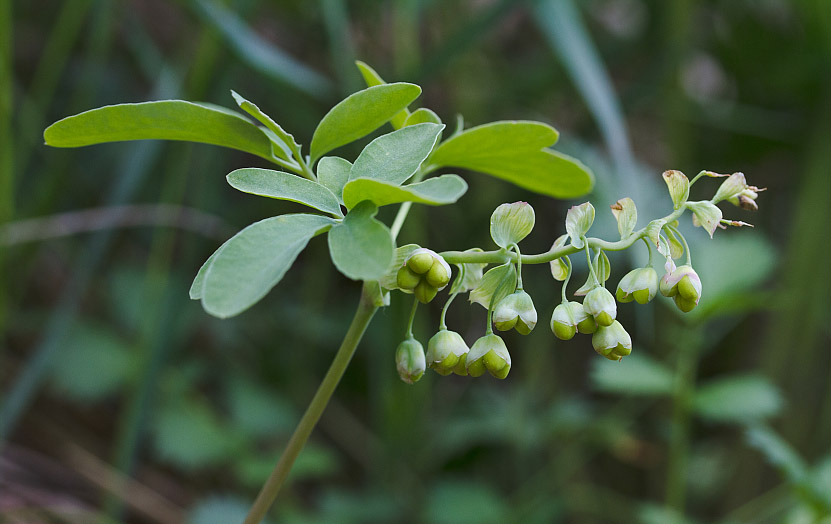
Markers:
point(518, 267)
point(363, 315)
point(591, 266)
point(412, 318)
point(454, 290)
point(684, 242)
point(568, 277)
point(401, 216)
point(7, 147)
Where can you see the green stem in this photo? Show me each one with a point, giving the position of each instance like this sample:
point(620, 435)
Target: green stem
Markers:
point(568, 277)
point(518, 267)
point(591, 266)
point(412, 318)
point(268, 493)
point(679, 444)
point(683, 241)
point(401, 216)
point(454, 290)
point(649, 252)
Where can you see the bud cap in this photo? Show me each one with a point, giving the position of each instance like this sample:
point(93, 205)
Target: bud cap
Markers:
point(489, 353)
point(515, 311)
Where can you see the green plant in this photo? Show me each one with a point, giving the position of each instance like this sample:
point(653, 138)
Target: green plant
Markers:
point(396, 168)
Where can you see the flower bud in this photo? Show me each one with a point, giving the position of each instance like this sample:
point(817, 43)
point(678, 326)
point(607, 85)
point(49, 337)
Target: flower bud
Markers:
point(420, 261)
point(613, 342)
point(563, 323)
point(600, 304)
point(407, 279)
point(639, 284)
point(489, 353)
point(444, 350)
point(409, 359)
point(684, 286)
point(424, 292)
point(515, 311)
point(439, 274)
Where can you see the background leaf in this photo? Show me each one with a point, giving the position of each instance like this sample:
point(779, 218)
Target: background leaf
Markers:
point(437, 191)
point(162, 120)
point(284, 186)
point(253, 261)
point(395, 157)
point(637, 374)
point(361, 247)
point(738, 399)
point(360, 114)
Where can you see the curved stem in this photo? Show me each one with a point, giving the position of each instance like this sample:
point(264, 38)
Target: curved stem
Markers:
point(591, 266)
point(268, 493)
point(518, 267)
point(649, 252)
point(568, 277)
point(683, 241)
point(412, 318)
point(454, 290)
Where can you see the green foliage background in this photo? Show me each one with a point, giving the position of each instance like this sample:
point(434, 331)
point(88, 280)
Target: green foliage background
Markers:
point(723, 415)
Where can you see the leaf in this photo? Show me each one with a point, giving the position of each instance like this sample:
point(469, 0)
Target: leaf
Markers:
point(284, 186)
point(394, 157)
point(422, 115)
point(636, 375)
point(437, 191)
point(92, 364)
point(676, 248)
point(510, 223)
point(333, 174)
point(578, 221)
point(626, 215)
point(602, 267)
point(471, 274)
point(258, 411)
point(514, 151)
point(190, 435)
point(219, 510)
point(495, 285)
point(372, 78)
point(465, 502)
point(390, 278)
point(734, 264)
point(705, 214)
point(247, 266)
point(559, 267)
point(161, 120)
point(777, 452)
point(361, 247)
point(284, 137)
point(653, 231)
point(679, 187)
point(738, 399)
point(360, 114)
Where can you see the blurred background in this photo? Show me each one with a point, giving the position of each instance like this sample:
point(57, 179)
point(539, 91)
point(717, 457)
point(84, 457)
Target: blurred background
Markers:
point(122, 401)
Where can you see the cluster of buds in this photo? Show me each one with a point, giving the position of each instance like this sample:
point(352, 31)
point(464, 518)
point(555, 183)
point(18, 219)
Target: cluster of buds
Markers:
point(500, 291)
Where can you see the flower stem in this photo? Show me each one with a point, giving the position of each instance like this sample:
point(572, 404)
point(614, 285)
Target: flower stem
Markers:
point(412, 318)
point(268, 493)
point(568, 277)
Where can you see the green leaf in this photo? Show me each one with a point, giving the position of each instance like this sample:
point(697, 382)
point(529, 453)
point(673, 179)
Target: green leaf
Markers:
point(245, 268)
point(190, 435)
point(626, 215)
point(162, 120)
point(360, 114)
point(578, 221)
point(421, 116)
point(465, 502)
point(92, 364)
point(361, 247)
point(705, 214)
point(679, 187)
point(437, 191)
point(333, 174)
point(514, 151)
point(284, 186)
point(495, 285)
point(284, 137)
point(777, 452)
point(738, 399)
point(637, 374)
point(372, 78)
point(510, 223)
point(471, 274)
point(676, 248)
point(390, 278)
point(258, 411)
point(559, 268)
point(394, 157)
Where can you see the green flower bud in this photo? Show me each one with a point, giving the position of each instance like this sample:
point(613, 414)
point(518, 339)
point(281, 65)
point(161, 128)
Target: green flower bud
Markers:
point(639, 284)
point(684, 286)
point(515, 311)
point(563, 323)
point(409, 359)
point(407, 279)
point(420, 261)
point(444, 350)
point(613, 342)
point(424, 292)
point(600, 304)
point(461, 366)
point(439, 274)
point(489, 353)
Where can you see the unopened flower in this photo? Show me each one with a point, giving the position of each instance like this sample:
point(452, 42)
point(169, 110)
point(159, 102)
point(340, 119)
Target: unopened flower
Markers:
point(612, 341)
point(683, 285)
point(409, 360)
point(515, 311)
point(444, 350)
point(639, 284)
point(600, 304)
point(489, 353)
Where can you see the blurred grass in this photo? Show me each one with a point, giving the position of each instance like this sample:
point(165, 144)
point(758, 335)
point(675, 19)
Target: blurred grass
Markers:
point(622, 88)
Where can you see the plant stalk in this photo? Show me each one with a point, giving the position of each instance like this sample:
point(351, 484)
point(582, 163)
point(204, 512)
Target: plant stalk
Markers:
point(271, 488)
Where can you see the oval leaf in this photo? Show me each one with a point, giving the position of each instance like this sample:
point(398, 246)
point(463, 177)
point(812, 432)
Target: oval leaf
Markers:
point(495, 285)
point(253, 261)
point(438, 191)
point(361, 247)
point(510, 223)
point(422, 115)
point(284, 186)
point(636, 375)
point(161, 120)
point(360, 114)
point(394, 157)
point(286, 142)
point(372, 78)
point(483, 143)
point(626, 215)
point(738, 399)
point(333, 174)
point(578, 221)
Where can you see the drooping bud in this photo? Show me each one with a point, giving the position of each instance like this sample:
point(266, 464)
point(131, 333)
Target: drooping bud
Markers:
point(489, 353)
point(424, 273)
point(409, 360)
point(600, 304)
point(684, 286)
point(407, 279)
point(439, 274)
point(444, 350)
point(421, 260)
point(424, 292)
point(563, 324)
point(515, 311)
point(613, 342)
point(639, 284)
